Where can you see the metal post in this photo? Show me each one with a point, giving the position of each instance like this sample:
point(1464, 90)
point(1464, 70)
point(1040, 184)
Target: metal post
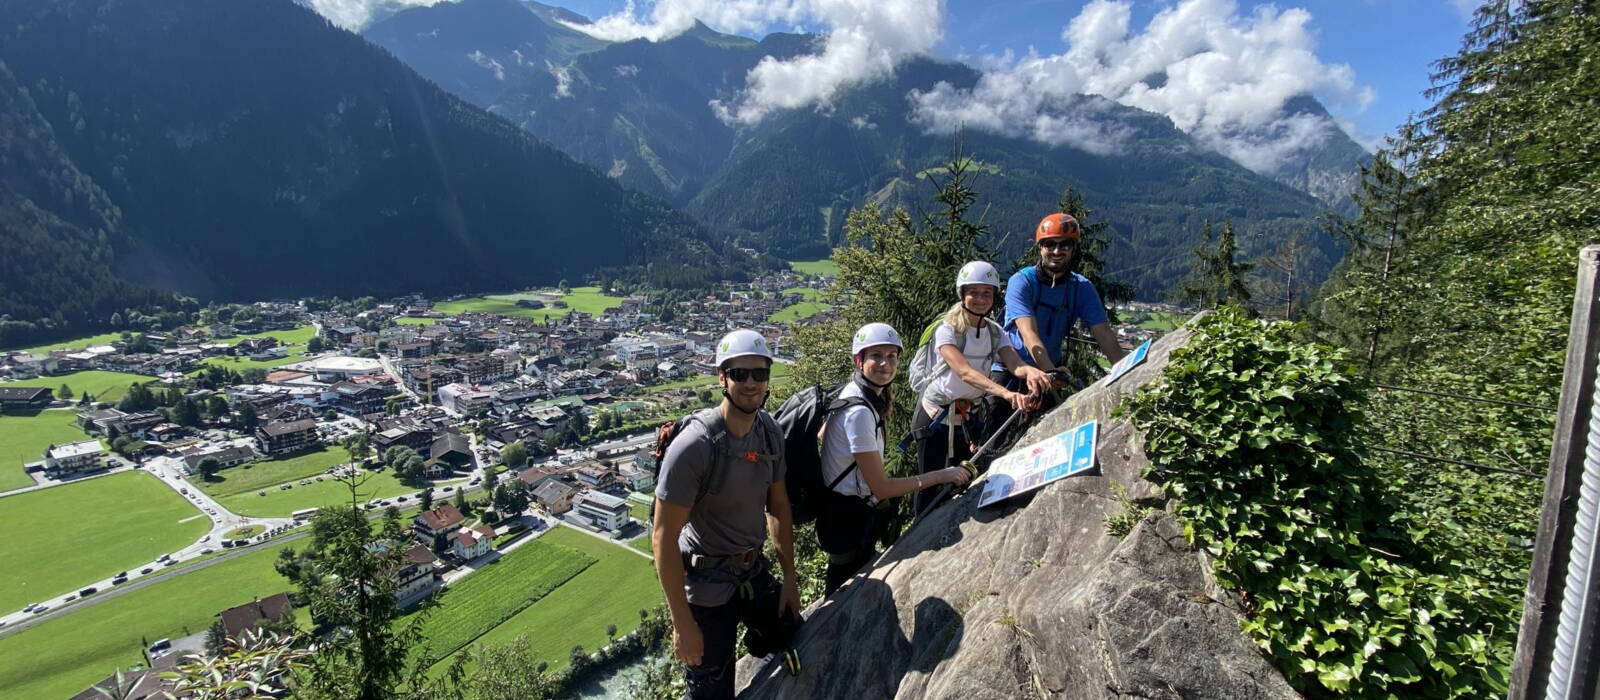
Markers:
point(1555, 645)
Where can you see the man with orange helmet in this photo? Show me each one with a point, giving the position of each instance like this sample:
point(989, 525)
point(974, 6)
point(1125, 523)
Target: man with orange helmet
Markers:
point(1043, 301)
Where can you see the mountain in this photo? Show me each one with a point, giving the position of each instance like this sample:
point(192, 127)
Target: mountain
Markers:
point(232, 168)
point(640, 112)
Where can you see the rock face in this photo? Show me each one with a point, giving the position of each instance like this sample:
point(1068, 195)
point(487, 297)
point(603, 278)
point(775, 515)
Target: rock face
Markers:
point(1033, 598)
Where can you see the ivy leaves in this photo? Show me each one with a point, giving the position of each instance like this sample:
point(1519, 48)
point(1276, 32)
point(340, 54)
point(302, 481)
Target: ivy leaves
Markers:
point(1256, 433)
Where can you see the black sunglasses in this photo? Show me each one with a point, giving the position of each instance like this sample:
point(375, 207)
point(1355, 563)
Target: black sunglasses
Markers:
point(1054, 243)
point(739, 374)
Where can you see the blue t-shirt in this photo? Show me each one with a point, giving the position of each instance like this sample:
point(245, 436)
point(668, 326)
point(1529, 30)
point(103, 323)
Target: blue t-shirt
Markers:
point(1054, 308)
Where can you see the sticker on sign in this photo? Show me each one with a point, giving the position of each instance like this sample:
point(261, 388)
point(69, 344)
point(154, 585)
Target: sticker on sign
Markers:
point(1128, 361)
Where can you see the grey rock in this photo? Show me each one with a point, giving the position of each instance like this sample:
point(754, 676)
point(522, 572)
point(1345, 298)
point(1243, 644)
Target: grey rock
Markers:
point(1032, 598)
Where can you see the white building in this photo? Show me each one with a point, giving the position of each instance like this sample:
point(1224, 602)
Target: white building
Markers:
point(471, 543)
point(73, 457)
point(464, 399)
point(604, 510)
point(339, 367)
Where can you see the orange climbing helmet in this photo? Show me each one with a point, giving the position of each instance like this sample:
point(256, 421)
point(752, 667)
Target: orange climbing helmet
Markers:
point(1057, 225)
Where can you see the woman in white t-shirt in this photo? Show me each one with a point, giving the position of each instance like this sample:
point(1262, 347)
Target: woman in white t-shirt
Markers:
point(852, 458)
point(968, 342)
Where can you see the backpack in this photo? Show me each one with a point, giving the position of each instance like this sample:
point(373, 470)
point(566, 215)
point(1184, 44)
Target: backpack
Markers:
point(801, 418)
point(710, 419)
point(928, 364)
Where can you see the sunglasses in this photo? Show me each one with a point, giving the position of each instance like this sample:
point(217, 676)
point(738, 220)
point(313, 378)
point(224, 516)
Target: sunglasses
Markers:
point(740, 374)
point(1058, 243)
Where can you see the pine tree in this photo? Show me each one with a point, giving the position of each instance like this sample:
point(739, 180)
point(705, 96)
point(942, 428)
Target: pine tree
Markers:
point(65, 393)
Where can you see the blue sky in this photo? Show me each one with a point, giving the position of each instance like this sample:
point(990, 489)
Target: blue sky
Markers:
point(1389, 45)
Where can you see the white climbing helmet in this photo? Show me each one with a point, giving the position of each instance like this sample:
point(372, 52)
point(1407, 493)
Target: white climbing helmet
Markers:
point(740, 343)
point(977, 272)
point(875, 334)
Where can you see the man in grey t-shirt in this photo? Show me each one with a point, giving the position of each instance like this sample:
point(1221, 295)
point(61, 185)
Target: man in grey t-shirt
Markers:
point(720, 491)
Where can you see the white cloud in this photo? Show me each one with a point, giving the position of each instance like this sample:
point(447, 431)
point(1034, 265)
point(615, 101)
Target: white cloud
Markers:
point(863, 123)
point(484, 60)
point(865, 40)
point(627, 71)
point(1221, 76)
point(355, 15)
point(563, 76)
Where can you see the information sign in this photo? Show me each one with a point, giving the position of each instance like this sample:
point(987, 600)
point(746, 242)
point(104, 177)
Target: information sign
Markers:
point(1051, 459)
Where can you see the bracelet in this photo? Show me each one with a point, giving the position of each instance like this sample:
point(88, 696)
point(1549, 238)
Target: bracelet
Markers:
point(919, 482)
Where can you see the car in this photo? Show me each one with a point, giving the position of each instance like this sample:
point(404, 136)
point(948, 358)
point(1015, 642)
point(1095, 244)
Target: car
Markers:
point(123, 574)
point(448, 489)
point(184, 491)
point(86, 592)
point(164, 557)
point(40, 608)
point(29, 607)
point(146, 570)
point(119, 580)
point(474, 481)
point(170, 562)
point(401, 499)
point(70, 598)
point(160, 644)
point(207, 538)
point(284, 487)
point(227, 544)
point(207, 550)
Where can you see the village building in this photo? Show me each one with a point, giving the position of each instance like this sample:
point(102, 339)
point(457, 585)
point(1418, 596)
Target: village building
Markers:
point(471, 543)
point(73, 457)
point(282, 437)
point(603, 510)
point(432, 523)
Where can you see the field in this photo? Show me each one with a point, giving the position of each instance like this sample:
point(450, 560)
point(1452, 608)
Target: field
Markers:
point(492, 594)
point(240, 364)
point(1163, 321)
point(105, 386)
point(806, 293)
point(75, 344)
point(296, 336)
point(641, 543)
point(63, 656)
point(797, 312)
point(640, 511)
point(282, 503)
point(610, 592)
point(414, 321)
point(254, 476)
point(61, 538)
point(585, 299)
point(24, 437)
point(824, 267)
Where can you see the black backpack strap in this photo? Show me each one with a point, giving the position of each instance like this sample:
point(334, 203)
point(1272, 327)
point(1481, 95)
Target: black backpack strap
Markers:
point(842, 403)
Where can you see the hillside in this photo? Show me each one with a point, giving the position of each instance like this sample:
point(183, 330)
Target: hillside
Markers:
point(242, 170)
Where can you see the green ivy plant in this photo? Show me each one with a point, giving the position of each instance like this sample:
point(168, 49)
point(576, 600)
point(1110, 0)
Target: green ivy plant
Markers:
point(1254, 433)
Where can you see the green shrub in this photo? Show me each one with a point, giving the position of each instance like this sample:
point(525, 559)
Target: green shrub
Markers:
point(1254, 433)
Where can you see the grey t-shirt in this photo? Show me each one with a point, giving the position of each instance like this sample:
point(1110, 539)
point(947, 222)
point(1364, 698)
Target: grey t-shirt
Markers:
point(731, 516)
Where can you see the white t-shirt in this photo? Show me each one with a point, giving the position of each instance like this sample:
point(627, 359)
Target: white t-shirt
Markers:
point(980, 351)
point(848, 431)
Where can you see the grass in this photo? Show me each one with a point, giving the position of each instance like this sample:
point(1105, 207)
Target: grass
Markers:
point(244, 533)
point(23, 438)
point(806, 293)
point(59, 539)
point(640, 511)
point(254, 476)
point(76, 343)
point(1163, 321)
point(696, 381)
point(610, 592)
point(414, 321)
point(641, 543)
point(282, 503)
point(240, 364)
point(797, 312)
point(105, 386)
point(824, 267)
point(497, 591)
point(586, 299)
point(63, 656)
point(296, 336)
